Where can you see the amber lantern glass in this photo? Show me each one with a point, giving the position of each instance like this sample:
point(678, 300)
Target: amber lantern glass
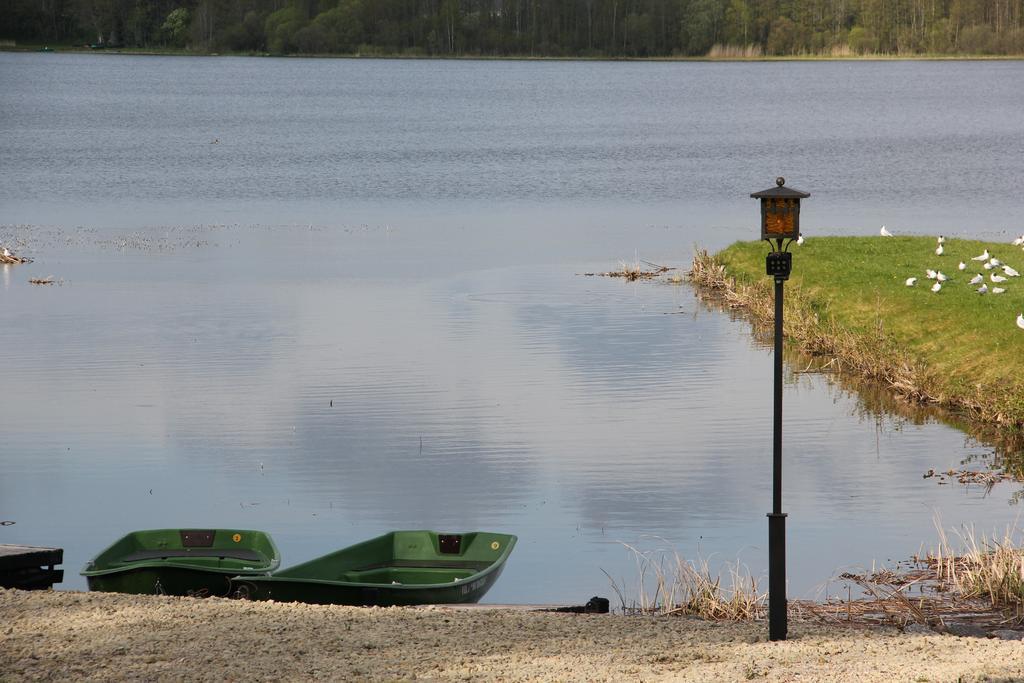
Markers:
point(780, 211)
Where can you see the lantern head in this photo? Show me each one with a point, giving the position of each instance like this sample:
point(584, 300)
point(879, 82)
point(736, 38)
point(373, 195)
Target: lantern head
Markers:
point(780, 211)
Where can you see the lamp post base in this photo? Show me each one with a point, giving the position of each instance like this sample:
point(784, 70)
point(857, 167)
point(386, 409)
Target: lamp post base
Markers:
point(777, 621)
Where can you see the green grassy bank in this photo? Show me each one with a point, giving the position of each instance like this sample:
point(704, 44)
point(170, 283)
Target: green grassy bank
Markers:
point(847, 299)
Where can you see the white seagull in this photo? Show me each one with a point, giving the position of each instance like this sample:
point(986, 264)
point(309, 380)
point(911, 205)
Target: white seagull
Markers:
point(942, 240)
point(982, 257)
point(982, 289)
point(977, 279)
point(987, 265)
point(1010, 271)
point(996, 278)
point(7, 252)
point(884, 233)
point(962, 266)
point(800, 241)
point(937, 286)
point(911, 281)
point(930, 274)
point(939, 250)
point(1019, 241)
point(1020, 321)
point(940, 276)
point(998, 290)
point(995, 262)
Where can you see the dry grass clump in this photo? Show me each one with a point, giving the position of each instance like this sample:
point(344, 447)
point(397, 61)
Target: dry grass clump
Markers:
point(986, 568)
point(636, 271)
point(726, 51)
point(841, 50)
point(671, 584)
point(630, 271)
point(981, 584)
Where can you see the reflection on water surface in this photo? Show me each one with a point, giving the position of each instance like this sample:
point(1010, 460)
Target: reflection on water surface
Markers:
point(239, 383)
point(362, 310)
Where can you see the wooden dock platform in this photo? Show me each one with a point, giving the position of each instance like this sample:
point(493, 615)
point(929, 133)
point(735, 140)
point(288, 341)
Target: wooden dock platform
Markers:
point(30, 568)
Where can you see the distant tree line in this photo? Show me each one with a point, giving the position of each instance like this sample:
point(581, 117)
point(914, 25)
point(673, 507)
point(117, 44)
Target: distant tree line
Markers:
point(570, 28)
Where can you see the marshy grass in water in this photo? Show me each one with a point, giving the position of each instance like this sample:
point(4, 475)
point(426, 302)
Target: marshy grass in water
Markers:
point(980, 582)
point(636, 270)
point(990, 568)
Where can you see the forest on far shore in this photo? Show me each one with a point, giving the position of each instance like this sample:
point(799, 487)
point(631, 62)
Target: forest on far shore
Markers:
point(538, 28)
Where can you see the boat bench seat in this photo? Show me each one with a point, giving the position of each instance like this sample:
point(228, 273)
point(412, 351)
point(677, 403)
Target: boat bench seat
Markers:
point(222, 553)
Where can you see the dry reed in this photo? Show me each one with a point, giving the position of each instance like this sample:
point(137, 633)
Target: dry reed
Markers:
point(981, 582)
point(987, 568)
point(635, 270)
point(682, 586)
point(726, 51)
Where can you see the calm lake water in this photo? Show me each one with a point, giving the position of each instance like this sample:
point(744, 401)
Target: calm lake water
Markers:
point(328, 298)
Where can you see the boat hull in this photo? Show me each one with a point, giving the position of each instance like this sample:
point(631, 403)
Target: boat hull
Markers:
point(164, 581)
point(321, 592)
point(400, 568)
point(192, 562)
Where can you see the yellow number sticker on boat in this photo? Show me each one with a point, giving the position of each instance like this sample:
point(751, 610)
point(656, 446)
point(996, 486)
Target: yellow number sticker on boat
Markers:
point(236, 538)
point(495, 545)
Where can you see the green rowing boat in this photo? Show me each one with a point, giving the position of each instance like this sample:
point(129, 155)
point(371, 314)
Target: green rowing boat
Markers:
point(398, 568)
point(197, 562)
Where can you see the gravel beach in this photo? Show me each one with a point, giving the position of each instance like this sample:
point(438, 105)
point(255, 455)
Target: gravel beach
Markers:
point(59, 635)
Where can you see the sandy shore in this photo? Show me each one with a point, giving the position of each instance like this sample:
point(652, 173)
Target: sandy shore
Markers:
point(101, 637)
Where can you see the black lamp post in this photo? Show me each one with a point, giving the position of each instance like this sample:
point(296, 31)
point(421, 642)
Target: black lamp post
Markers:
point(780, 227)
